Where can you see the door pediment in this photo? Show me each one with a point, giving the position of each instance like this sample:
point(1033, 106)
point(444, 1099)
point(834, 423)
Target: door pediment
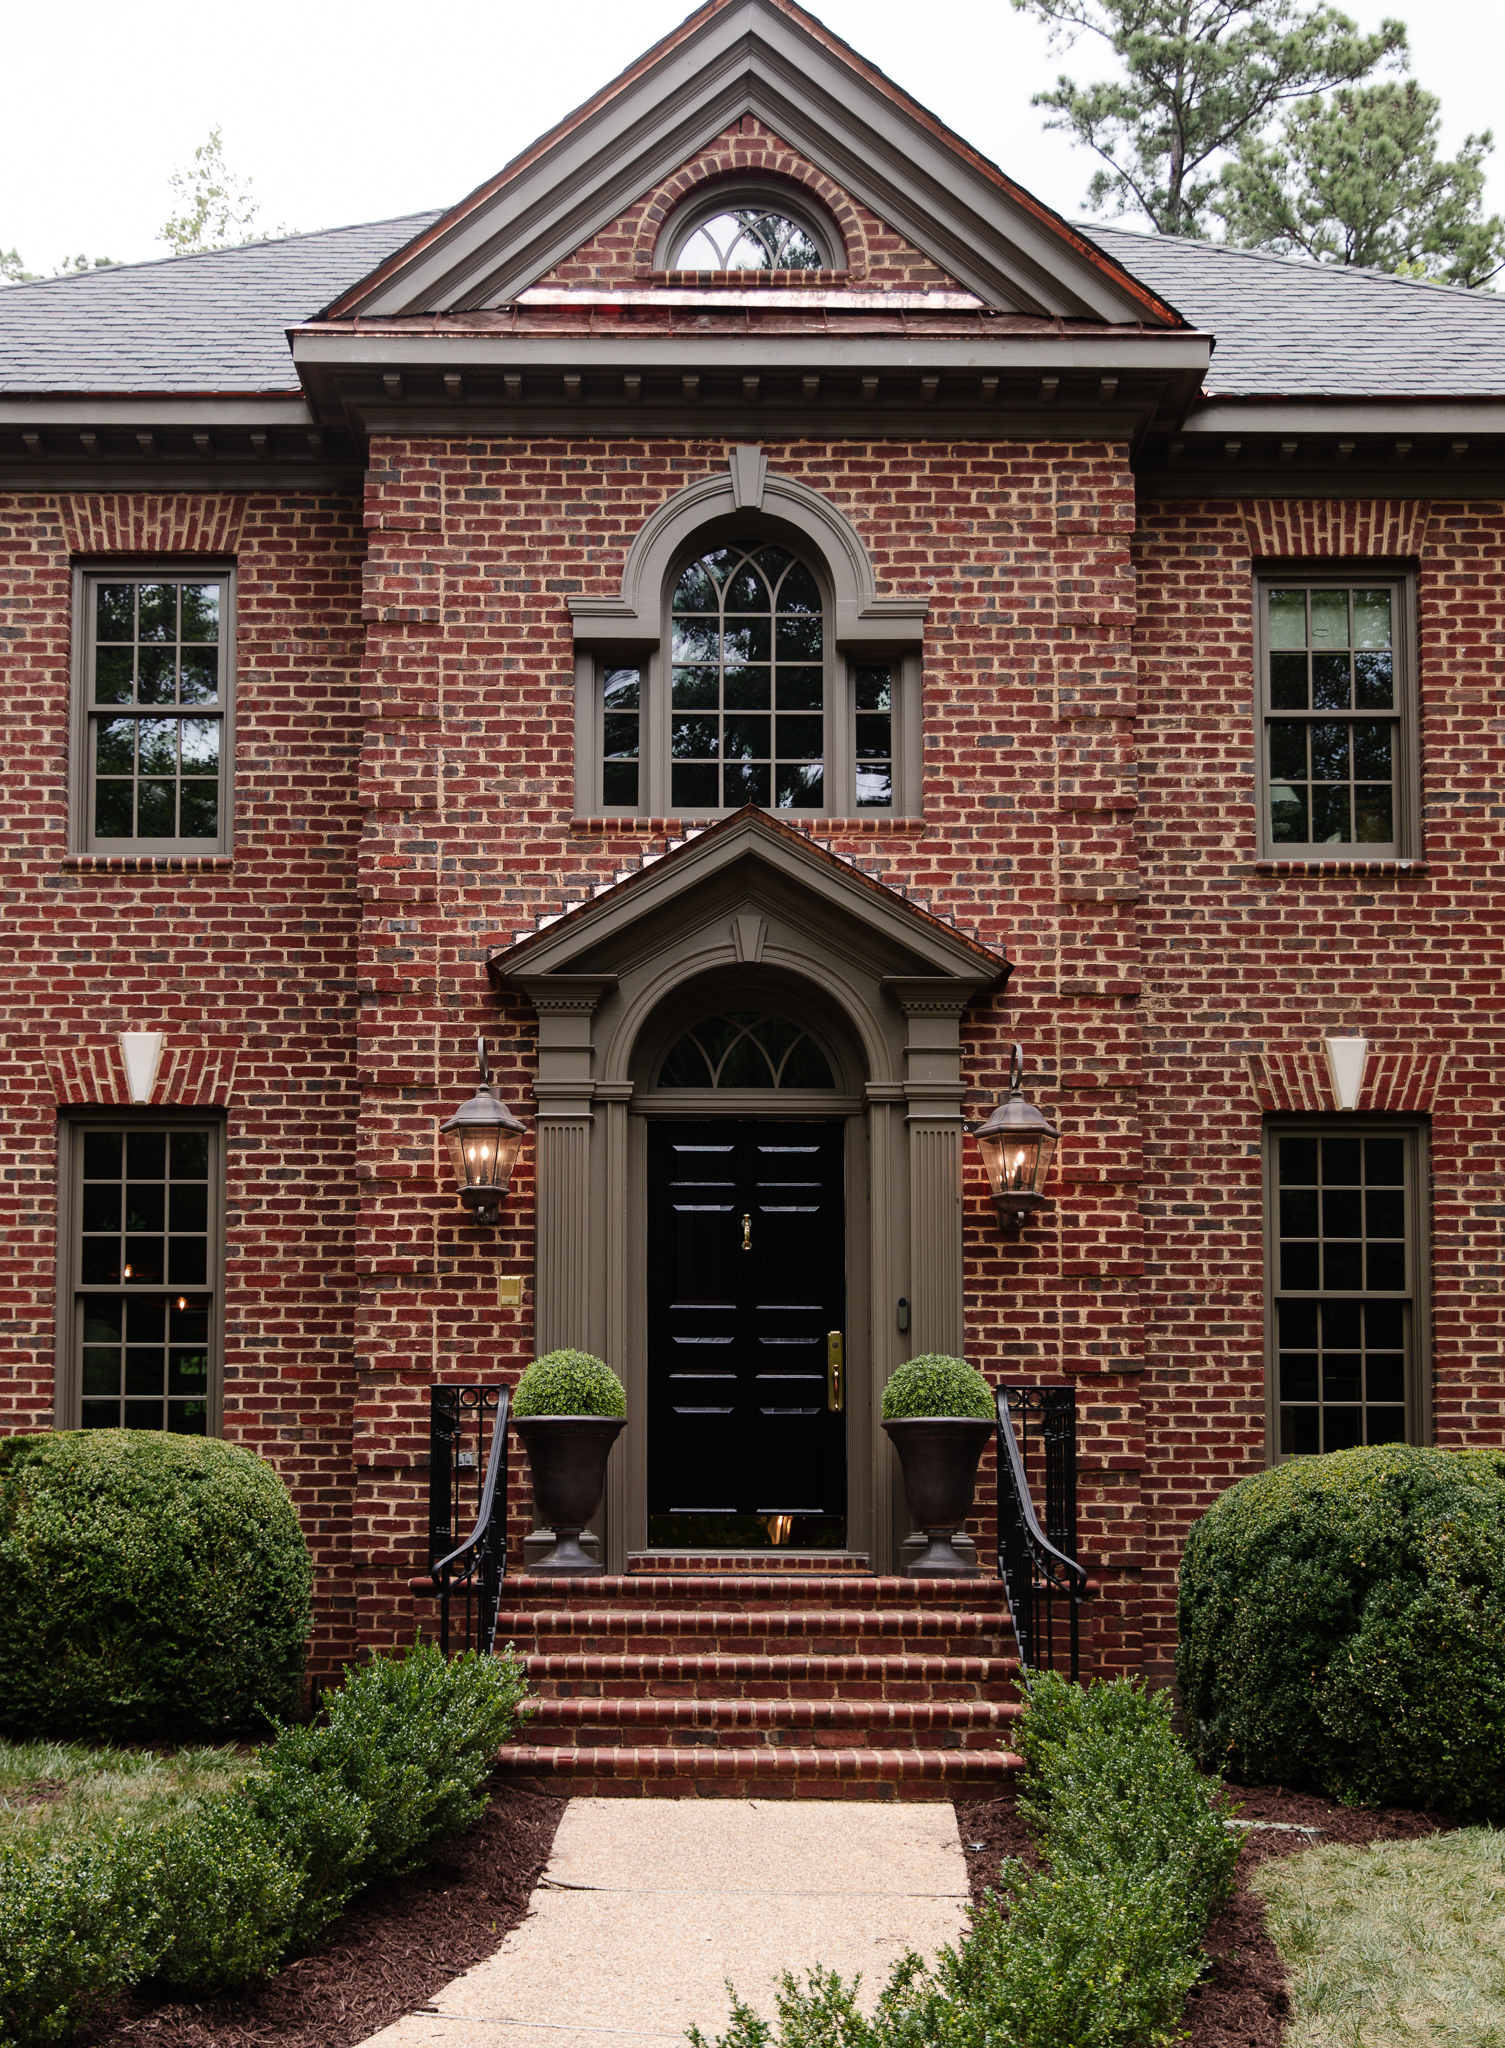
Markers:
point(751, 889)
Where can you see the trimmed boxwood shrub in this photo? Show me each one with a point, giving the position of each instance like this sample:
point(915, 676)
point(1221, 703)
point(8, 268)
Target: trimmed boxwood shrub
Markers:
point(1342, 1626)
point(934, 1384)
point(154, 1587)
point(569, 1383)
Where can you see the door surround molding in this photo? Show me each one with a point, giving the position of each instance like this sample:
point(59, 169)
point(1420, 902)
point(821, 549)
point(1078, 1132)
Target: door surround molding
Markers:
point(887, 986)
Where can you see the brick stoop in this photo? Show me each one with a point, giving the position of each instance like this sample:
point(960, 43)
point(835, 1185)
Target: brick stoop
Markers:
point(772, 1684)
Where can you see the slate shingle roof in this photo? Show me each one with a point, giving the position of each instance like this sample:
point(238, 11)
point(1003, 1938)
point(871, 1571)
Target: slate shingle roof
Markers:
point(217, 322)
point(1315, 330)
point(189, 323)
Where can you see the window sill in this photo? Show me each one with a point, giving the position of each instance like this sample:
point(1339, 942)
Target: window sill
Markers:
point(148, 863)
point(1354, 869)
point(816, 827)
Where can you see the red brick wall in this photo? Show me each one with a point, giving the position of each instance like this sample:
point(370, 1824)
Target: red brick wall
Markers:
point(1245, 973)
point(252, 962)
point(623, 253)
point(1089, 810)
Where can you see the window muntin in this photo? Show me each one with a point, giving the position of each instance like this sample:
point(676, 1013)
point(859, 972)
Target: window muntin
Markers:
point(747, 689)
point(745, 1049)
point(1344, 1252)
point(144, 1262)
point(1333, 740)
point(155, 698)
point(750, 238)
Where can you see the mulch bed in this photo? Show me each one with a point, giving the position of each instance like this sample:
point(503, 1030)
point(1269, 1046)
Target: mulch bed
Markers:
point(395, 1946)
point(1242, 2002)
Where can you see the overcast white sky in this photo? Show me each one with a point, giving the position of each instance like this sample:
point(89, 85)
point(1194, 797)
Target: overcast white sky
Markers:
point(344, 112)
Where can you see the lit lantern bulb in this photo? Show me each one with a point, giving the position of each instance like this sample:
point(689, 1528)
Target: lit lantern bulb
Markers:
point(182, 1301)
point(127, 1272)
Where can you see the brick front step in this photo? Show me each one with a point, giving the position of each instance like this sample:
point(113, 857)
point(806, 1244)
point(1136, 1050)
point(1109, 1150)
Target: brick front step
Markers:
point(750, 1631)
point(631, 1675)
point(731, 1561)
point(782, 1591)
point(736, 1723)
point(753, 1773)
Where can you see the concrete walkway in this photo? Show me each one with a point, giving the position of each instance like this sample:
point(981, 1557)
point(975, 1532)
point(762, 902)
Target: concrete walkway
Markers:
point(649, 1905)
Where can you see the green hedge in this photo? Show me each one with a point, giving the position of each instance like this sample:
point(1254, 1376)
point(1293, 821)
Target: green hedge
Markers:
point(569, 1383)
point(1342, 1626)
point(1099, 1948)
point(934, 1384)
point(217, 1898)
point(154, 1587)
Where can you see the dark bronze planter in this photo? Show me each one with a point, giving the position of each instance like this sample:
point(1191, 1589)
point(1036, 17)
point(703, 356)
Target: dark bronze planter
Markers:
point(568, 1454)
point(939, 1456)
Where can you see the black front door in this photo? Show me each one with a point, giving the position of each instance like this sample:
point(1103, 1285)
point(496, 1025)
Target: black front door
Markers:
point(746, 1302)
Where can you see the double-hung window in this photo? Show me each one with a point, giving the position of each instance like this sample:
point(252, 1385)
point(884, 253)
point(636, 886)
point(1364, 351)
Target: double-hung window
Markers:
point(141, 1281)
point(748, 702)
point(1347, 1264)
point(1337, 725)
point(153, 739)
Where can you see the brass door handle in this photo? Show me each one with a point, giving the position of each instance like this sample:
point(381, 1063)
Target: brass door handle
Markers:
point(836, 1391)
point(747, 1233)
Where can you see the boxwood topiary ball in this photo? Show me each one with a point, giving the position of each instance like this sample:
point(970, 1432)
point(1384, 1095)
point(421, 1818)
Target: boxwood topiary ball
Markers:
point(569, 1383)
point(154, 1588)
point(1342, 1626)
point(937, 1385)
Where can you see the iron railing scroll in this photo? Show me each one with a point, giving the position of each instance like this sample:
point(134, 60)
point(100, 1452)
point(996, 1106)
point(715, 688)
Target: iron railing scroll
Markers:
point(1038, 1566)
point(466, 1578)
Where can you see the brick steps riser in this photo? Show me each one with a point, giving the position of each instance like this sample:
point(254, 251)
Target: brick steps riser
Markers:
point(991, 1717)
point(627, 1771)
point(780, 1593)
point(675, 1640)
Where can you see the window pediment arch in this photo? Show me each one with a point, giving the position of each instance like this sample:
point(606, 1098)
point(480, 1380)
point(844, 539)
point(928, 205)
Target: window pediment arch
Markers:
point(792, 510)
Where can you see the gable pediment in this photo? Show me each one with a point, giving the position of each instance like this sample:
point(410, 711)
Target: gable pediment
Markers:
point(769, 60)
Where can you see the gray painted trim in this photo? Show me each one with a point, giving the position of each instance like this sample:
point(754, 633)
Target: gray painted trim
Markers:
point(672, 877)
point(1419, 1366)
point(1403, 416)
point(233, 409)
point(73, 1120)
point(1056, 354)
point(1310, 573)
point(752, 58)
point(634, 618)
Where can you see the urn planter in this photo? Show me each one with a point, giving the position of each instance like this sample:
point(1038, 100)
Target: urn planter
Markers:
point(568, 1455)
point(938, 1455)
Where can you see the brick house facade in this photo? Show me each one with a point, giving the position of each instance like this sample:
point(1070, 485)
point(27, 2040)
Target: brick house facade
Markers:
point(435, 458)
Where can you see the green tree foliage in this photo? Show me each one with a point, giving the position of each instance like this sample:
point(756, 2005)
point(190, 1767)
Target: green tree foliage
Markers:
point(14, 271)
point(1200, 76)
point(217, 209)
point(1357, 179)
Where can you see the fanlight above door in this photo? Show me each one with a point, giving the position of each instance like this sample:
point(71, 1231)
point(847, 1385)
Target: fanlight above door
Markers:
point(746, 1049)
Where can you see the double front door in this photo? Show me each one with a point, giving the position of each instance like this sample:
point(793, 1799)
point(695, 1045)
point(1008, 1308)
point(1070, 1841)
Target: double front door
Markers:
point(746, 1335)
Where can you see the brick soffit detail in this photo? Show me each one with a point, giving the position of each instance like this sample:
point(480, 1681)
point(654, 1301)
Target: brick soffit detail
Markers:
point(1395, 1082)
point(1359, 528)
point(151, 523)
point(190, 1077)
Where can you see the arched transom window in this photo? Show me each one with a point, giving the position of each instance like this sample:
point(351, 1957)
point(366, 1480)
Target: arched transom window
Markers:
point(750, 238)
point(747, 691)
point(746, 1049)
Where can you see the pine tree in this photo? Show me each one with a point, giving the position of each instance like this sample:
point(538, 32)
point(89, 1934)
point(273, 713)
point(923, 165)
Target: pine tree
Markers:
point(1200, 76)
point(1357, 179)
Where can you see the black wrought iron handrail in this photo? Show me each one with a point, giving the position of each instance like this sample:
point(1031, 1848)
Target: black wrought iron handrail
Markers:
point(1036, 1569)
point(473, 1571)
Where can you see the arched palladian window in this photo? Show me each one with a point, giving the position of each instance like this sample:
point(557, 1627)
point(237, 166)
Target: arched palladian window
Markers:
point(748, 702)
point(746, 1049)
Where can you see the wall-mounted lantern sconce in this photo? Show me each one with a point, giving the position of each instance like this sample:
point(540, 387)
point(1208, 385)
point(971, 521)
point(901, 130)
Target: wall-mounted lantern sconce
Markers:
point(1017, 1144)
point(484, 1139)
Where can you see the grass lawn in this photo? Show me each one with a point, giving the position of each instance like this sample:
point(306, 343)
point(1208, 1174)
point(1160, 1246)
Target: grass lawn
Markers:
point(1401, 1945)
point(51, 1792)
